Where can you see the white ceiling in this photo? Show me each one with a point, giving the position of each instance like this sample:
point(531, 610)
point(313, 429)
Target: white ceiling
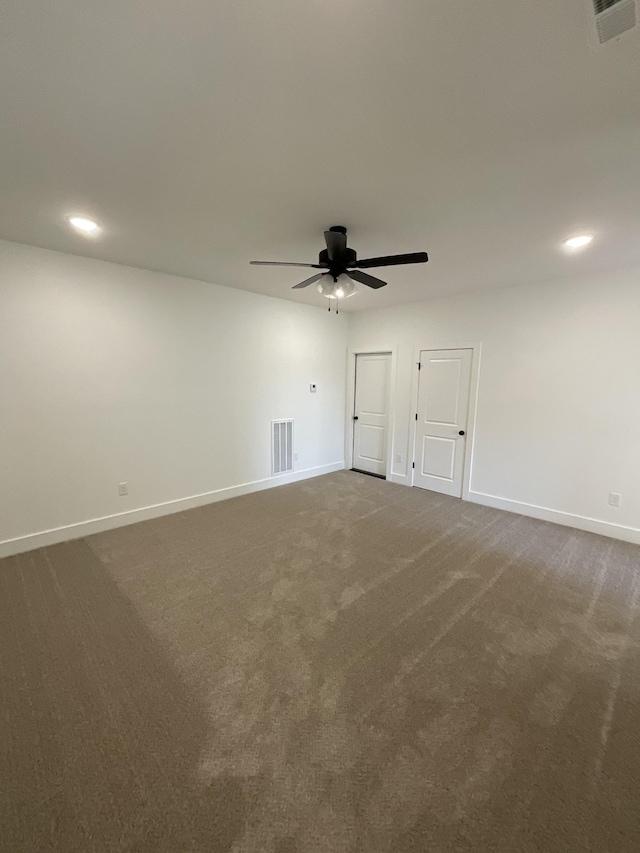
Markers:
point(205, 133)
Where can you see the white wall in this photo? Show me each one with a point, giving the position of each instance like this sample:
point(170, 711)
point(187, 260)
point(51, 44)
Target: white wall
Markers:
point(558, 420)
point(110, 374)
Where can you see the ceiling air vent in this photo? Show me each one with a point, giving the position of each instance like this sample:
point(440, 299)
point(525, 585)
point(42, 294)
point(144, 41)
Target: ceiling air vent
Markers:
point(614, 17)
point(281, 446)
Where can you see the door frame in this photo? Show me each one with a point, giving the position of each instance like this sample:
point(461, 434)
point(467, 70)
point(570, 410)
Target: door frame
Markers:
point(351, 401)
point(476, 347)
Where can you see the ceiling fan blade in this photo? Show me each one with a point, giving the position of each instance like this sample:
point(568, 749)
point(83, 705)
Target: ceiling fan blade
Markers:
point(393, 260)
point(308, 281)
point(365, 278)
point(287, 264)
point(336, 244)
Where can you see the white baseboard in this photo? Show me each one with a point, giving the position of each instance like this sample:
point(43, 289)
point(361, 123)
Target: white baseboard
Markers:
point(8, 547)
point(581, 522)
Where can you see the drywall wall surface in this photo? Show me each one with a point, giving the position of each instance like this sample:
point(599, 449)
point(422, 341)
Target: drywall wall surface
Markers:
point(558, 415)
point(110, 374)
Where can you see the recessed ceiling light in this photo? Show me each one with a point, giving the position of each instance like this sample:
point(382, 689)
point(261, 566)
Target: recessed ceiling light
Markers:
point(85, 226)
point(578, 241)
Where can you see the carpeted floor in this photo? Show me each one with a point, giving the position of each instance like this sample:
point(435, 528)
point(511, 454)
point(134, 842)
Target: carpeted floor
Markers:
point(342, 664)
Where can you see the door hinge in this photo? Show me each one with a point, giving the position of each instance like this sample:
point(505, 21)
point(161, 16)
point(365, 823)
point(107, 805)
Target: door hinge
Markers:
point(419, 366)
point(413, 465)
point(416, 416)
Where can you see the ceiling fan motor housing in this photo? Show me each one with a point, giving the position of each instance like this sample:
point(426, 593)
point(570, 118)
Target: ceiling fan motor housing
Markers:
point(343, 257)
point(347, 259)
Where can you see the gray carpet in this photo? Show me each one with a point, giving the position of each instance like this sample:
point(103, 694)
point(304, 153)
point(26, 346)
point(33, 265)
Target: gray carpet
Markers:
point(342, 664)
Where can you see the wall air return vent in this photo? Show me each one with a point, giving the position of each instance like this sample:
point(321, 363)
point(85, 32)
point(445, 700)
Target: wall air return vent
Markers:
point(613, 18)
point(281, 446)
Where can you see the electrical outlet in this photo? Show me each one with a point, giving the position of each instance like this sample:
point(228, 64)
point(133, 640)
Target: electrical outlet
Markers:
point(399, 457)
point(615, 499)
point(123, 489)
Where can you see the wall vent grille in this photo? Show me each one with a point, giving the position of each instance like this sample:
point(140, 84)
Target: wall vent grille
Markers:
point(281, 446)
point(613, 18)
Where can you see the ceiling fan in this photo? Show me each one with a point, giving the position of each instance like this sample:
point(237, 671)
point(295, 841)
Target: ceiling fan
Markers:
point(342, 268)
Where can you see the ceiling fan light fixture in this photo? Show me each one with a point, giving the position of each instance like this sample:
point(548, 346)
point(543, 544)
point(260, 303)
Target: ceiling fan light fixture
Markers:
point(340, 289)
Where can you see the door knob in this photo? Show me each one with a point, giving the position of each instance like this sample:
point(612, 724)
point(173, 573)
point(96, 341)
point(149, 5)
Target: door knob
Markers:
point(355, 417)
point(461, 432)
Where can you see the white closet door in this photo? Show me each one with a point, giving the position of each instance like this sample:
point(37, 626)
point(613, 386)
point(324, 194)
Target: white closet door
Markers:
point(371, 414)
point(441, 429)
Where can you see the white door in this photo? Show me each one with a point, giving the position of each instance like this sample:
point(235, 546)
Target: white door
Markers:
point(371, 413)
point(441, 429)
